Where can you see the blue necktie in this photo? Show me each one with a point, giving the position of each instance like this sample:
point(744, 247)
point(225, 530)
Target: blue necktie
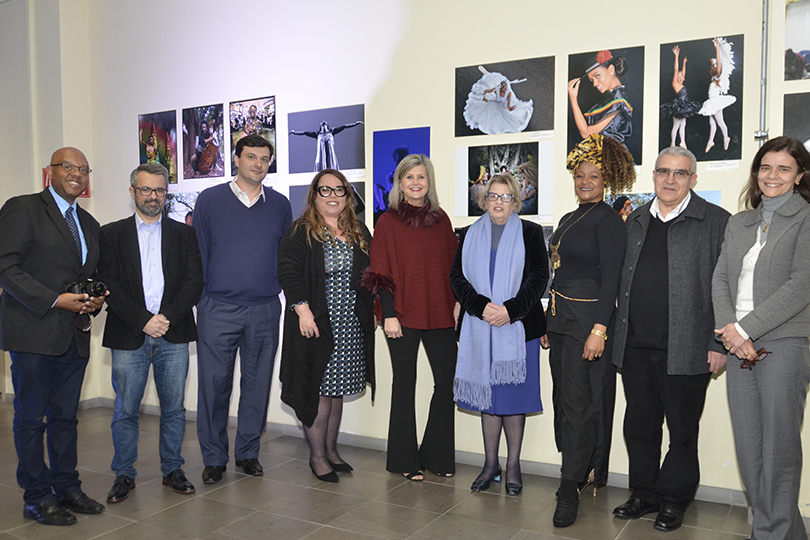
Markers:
point(71, 223)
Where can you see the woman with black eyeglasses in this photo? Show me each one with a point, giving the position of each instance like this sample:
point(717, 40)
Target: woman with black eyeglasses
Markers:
point(498, 371)
point(761, 298)
point(328, 347)
point(586, 252)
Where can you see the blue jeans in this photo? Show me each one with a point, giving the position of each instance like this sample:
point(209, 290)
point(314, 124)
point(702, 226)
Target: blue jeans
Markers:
point(130, 370)
point(46, 398)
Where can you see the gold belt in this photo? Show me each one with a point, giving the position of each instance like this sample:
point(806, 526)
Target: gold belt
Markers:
point(554, 294)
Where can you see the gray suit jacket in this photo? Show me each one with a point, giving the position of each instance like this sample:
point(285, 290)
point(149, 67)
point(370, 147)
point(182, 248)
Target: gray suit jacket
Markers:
point(693, 244)
point(781, 274)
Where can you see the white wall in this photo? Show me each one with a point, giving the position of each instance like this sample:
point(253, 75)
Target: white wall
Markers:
point(119, 59)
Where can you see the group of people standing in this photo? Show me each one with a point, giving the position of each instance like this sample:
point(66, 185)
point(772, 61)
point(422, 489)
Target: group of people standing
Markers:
point(667, 297)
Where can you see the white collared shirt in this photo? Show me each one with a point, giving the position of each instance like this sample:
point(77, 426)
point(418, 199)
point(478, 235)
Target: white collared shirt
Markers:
point(244, 197)
point(656, 212)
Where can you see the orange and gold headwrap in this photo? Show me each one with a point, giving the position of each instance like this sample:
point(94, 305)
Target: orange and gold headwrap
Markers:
point(590, 149)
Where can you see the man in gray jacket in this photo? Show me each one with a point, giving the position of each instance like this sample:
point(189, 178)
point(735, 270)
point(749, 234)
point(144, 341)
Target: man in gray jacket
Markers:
point(663, 339)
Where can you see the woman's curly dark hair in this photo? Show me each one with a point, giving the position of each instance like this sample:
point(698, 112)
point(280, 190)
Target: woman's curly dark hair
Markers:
point(618, 169)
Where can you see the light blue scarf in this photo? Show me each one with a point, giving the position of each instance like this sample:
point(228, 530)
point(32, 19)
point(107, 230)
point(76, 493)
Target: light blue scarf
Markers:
point(487, 354)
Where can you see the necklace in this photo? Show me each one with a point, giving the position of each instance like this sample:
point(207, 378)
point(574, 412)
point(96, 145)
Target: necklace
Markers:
point(554, 248)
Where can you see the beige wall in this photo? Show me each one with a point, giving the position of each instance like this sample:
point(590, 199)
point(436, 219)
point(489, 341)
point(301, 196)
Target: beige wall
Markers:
point(84, 69)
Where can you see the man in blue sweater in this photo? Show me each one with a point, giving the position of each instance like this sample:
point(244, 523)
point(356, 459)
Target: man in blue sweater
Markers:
point(239, 227)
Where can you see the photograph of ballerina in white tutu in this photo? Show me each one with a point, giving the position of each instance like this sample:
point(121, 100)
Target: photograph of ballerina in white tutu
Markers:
point(702, 109)
point(505, 97)
point(605, 95)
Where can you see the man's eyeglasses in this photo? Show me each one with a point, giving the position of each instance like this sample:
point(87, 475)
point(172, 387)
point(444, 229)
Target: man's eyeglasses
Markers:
point(680, 174)
point(69, 167)
point(506, 197)
point(146, 191)
point(749, 363)
point(325, 191)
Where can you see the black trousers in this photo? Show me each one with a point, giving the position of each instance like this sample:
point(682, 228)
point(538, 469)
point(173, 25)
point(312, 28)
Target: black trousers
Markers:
point(437, 452)
point(652, 396)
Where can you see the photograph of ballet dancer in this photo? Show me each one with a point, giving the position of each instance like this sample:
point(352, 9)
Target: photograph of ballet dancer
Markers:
point(797, 117)
point(505, 97)
point(253, 117)
point(797, 40)
point(519, 160)
point(203, 134)
point(327, 139)
point(389, 149)
point(157, 140)
point(605, 95)
point(700, 89)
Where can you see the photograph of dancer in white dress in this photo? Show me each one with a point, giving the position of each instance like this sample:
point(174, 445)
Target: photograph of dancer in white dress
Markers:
point(605, 95)
point(701, 107)
point(327, 139)
point(505, 97)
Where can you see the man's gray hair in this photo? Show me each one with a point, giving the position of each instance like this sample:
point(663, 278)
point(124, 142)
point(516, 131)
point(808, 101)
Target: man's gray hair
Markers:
point(678, 151)
point(149, 168)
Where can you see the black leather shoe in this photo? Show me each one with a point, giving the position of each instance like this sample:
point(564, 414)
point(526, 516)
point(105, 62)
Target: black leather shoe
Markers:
point(49, 512)
point(178, 482)
point(483, 485)
point(566, 512)
point(212, 474)
point(513, 489)
point(341, 467)
point(331, 476)
point(120, 489)
point(634, 508)
point(80, 503)
point(669, 518)
point(251, 466)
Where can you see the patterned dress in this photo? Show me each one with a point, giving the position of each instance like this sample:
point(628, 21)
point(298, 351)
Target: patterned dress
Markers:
point(346, 372)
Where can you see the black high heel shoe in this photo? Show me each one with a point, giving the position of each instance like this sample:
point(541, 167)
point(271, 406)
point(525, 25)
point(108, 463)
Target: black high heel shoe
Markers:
point(331, 476)
point(483, 485)
point(513, 488)
point(341, 467)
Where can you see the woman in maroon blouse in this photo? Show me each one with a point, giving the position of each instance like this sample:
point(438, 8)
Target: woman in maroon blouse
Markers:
point(411, 255)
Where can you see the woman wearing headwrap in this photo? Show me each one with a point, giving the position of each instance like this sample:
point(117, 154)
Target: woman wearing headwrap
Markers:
point(498, 369)
point(586, 251)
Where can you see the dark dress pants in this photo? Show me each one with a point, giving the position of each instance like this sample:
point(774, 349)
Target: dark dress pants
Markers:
point(46, 399)
point(652, 396)
point(224, 328)
point(437, 452)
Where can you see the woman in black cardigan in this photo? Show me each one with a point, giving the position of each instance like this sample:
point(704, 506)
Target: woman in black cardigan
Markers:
point(328, 347)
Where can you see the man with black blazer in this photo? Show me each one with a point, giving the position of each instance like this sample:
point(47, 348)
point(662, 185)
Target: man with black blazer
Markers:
point(48, 243)
point(153, 269)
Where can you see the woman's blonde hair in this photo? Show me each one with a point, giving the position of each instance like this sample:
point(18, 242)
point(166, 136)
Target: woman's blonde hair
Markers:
point(409, 162)
point(509, 181)
point(314, 224)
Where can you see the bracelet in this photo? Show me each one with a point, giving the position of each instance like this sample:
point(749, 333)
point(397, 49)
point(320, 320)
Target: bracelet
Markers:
point(599, 333)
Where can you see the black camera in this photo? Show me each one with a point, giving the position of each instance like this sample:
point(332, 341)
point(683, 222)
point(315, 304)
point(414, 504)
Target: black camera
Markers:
point(90, 287)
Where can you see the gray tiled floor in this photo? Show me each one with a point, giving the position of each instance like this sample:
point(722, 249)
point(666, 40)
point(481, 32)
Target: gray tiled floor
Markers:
point(288, 502)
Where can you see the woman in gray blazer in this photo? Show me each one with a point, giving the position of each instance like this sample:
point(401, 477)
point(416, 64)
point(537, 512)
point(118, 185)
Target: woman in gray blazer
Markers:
point(761, 296)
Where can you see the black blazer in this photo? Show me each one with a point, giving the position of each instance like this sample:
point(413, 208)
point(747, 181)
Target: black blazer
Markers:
point(526, 305)
point(120, 269)
point(38, 258)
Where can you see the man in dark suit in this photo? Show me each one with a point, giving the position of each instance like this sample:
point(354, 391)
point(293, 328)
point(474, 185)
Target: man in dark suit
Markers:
point(47, 243)
point(153, 269)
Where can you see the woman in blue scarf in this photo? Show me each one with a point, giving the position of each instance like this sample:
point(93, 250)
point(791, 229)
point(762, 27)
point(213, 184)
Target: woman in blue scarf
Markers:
point(499, 344)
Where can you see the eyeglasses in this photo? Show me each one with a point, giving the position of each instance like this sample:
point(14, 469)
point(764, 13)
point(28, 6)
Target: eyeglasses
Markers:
point(680, 174)
point(493, 197)
point(749, 363)
point(68, 167)
point(146, 191)
point(325, 191)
